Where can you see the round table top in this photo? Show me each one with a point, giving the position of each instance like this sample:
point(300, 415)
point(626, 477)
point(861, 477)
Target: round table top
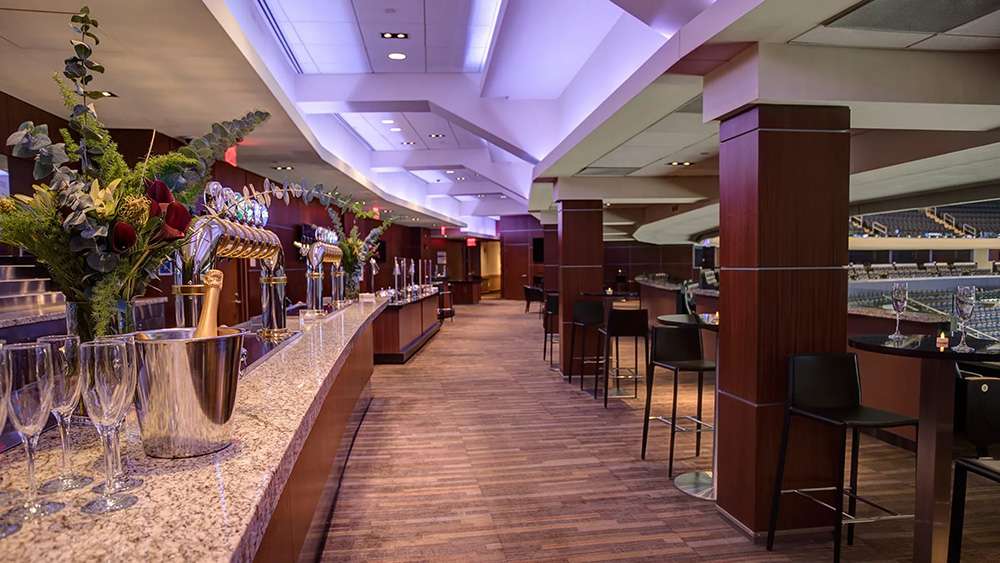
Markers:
point(707, 321)
point(925, 346)
point(615, 295)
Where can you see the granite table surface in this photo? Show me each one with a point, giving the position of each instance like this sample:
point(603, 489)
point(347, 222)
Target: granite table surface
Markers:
point(209, 508)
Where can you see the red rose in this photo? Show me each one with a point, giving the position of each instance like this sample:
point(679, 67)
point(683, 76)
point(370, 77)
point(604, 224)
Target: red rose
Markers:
point(175, 222)
point(159, 192)
point(122, 236)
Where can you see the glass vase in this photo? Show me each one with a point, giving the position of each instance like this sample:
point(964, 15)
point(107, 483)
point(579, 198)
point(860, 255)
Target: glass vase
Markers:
point(352, 284)
point(80, 319)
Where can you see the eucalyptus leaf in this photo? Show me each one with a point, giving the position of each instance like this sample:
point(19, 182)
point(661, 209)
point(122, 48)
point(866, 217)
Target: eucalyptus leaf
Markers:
point(102, 262)
point(81, 49)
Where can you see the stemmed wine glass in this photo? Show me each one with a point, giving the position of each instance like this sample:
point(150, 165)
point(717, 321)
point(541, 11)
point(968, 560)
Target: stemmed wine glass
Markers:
point(30, 401)
point(65, 351)
point(123, 482)
point(7, 527)
point(899, 296)
point(107, 382)
point(965, 304)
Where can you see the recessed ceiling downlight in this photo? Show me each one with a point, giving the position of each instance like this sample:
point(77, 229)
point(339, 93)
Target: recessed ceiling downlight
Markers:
point(397, 56)
point(388, 121)
point(395, 129)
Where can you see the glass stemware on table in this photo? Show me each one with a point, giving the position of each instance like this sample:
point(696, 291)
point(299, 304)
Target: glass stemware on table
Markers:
point(65, 352)
point(108, 388)
point(30, 401)
point(965, 304)
point(900, 292)
point(7, 527)
point(122, 481)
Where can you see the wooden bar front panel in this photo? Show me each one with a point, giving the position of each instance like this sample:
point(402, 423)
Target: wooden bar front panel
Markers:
point(306, 501)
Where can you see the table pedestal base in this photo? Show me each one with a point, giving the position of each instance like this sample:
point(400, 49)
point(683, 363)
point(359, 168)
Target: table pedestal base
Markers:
point(698, 484)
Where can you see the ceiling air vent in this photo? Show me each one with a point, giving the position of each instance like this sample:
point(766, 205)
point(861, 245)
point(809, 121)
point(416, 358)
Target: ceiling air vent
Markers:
point(913, 15)
point(607, 171)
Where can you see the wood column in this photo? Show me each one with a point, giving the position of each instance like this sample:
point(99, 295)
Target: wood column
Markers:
point(581, 266)
point(783, 175)
point(551, 269)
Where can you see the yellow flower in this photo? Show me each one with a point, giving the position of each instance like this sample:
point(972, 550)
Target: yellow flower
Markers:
point(134, 211)
point(7, 205)
point(104, 198)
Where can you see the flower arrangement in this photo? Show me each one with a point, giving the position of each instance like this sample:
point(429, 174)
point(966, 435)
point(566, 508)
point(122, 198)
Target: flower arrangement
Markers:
point(356, 250)
point(100, 228)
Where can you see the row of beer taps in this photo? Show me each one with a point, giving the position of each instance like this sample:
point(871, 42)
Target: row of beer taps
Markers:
point(411, 278)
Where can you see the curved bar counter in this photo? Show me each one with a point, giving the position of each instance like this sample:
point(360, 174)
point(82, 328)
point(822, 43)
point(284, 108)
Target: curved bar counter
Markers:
point(267, 496)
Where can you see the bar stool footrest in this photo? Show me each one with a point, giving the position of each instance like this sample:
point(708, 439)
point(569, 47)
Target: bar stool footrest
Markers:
point(847, 518)
point(705, 427)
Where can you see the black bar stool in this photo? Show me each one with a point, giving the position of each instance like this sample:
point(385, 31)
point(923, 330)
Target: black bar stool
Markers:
point(623, 323)
point(534, 295)
point(677, 349)
point(982, 428)
point(587, 315)
point(550, 322)
point(827, 388)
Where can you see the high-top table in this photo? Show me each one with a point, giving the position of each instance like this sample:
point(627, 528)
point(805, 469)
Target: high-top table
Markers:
point(700, 484)
point(935, 438)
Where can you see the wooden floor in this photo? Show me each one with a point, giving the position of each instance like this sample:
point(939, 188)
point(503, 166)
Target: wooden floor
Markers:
point(475, 451)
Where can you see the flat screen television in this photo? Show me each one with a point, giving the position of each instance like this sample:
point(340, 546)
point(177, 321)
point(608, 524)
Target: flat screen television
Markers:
point(538, 250)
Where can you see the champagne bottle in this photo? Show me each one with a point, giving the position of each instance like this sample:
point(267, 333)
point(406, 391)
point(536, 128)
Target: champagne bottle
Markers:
point(208, 322)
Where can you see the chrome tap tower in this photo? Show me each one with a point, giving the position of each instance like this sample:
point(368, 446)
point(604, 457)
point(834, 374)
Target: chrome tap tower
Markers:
point(323, 250)
point(232, 228)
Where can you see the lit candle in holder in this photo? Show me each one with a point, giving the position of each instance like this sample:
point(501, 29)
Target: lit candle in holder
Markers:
point(942, 341)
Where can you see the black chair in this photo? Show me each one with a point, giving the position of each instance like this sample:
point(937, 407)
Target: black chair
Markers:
point(677, 349)
point(587, 315)
point(827, 389)
point(550, 323)
point(533, 295)
point(982, 428)
point(623, 323)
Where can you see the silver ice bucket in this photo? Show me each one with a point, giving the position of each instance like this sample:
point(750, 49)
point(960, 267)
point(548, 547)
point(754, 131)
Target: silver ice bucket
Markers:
point(187, 390)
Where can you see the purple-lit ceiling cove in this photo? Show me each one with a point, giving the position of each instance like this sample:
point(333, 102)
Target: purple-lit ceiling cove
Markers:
point(395, 93)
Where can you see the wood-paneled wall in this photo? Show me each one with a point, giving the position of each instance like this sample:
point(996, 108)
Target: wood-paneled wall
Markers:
point(636, 258)
point(517, 234)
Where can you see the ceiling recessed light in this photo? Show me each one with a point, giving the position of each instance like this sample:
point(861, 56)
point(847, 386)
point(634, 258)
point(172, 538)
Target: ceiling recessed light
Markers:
point(503, 196)
point(397, 56)
point(408, 143)
point(394, 35)
point(388, 121)
point(449, 171)
point(460, 178)
point(283, 167)
point(685, 164)
point(395, 129)
point(436, 135)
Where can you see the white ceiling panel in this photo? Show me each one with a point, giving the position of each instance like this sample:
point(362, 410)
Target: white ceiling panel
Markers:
point(366, 131)
point(378, 48)
point(988, 25)
point(426, 124)
point(389, 11)
point(629, 156)
point(846, 37)
point(467, 140)
point(958, 43)
point(312, 11)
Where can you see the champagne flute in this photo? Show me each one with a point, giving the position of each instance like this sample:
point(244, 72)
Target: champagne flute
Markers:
point(965, 304)
point(122, 482)
point(29, 404)
point(65, 350)
point(107, 382)
point(899, 297)
point(7, 527)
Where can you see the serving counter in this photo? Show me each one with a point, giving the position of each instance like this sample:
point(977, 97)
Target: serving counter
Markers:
point(268, 496)
point(405, 326)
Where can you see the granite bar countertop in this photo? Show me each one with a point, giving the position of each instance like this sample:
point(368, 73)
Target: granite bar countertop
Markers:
point(431, 293)
point(209, 508)
point(33, 315)
point(658, 284)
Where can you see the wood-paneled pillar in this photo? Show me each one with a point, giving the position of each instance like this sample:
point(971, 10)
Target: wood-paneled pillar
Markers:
point(551, 249)
point(581, 266)
point(783, 178)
